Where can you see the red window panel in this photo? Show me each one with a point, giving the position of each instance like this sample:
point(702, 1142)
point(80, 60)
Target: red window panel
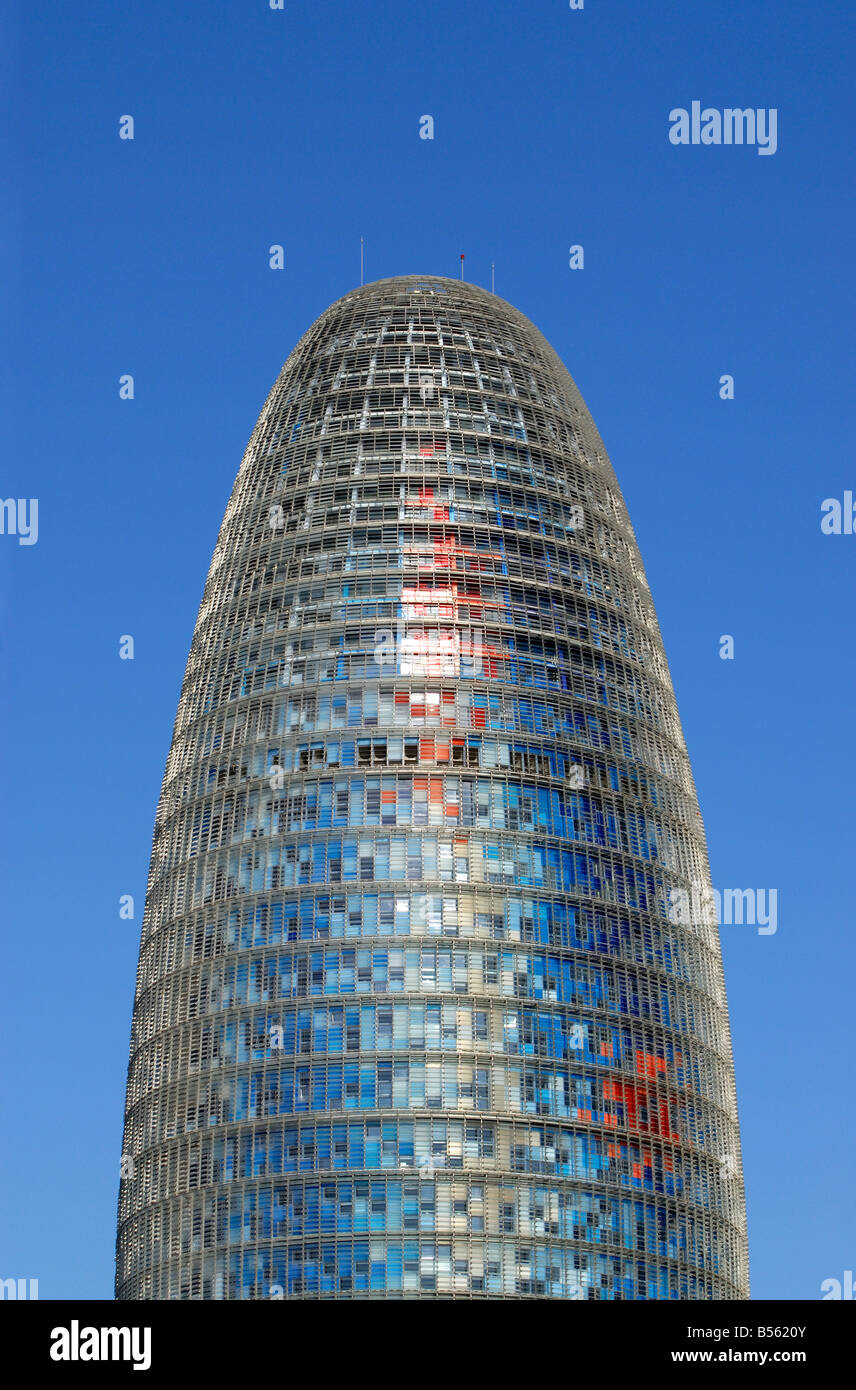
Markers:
point(665, 1122)
point(489, 661)
point(647, 1064)
point(622, 1095)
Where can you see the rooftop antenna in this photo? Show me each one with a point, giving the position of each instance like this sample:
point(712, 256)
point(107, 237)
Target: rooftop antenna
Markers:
point(362, 260)
point(492, 280)
point(462, 265)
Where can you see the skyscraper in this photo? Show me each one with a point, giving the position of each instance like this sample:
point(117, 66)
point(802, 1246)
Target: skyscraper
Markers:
point(415, 1014)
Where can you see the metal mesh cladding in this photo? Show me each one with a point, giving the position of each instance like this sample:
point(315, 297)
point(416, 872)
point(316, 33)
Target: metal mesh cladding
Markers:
point(413, 1019)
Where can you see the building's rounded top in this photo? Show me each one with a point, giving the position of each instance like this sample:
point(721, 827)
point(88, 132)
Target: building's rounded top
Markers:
point(399, 289)
point(447, 304)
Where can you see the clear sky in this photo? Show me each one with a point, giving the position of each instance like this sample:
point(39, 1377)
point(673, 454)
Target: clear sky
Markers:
point(150, 257)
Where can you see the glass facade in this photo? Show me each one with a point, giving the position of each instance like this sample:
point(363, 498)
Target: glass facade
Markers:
point(413, 1019)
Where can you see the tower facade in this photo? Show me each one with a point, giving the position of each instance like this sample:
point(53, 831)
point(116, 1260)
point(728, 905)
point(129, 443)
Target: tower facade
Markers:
point(419, 1010)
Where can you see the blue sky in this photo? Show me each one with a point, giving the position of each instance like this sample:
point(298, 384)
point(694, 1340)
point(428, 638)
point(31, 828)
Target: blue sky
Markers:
point(300, 127)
